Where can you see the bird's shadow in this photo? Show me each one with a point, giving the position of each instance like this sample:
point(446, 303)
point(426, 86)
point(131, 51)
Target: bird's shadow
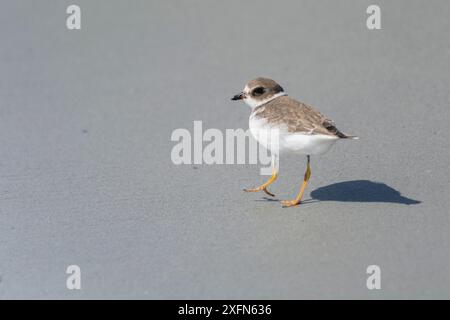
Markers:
point(358, 191)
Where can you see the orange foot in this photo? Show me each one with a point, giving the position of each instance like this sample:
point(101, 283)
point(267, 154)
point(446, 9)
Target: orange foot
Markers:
point(289, 203)
point(259, 189)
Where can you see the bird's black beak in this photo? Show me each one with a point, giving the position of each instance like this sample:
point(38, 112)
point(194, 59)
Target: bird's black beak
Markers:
point(239, 96)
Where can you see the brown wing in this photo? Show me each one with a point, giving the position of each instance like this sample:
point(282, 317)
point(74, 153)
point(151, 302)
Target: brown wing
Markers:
point(298, 117)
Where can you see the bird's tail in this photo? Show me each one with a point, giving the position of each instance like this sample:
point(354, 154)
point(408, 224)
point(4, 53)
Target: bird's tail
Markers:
point(350, 137)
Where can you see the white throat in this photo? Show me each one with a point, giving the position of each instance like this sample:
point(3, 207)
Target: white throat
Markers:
point(256, 103)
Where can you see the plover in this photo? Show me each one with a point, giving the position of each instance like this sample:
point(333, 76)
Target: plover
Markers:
point(299, 128)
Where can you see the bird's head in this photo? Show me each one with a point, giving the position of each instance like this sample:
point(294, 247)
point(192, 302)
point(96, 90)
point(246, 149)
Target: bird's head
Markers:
point(259, 91)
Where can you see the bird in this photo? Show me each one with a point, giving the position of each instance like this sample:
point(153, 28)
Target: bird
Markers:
point(284, 125)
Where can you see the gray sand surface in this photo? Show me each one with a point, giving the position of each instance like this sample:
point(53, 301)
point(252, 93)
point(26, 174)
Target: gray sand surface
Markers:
point(86, 176)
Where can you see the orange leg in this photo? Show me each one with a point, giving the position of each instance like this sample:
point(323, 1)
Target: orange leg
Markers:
point(264, 186)
point(298, 198)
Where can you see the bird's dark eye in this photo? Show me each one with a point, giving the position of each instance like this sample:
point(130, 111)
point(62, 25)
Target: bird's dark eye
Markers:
point(258, 91)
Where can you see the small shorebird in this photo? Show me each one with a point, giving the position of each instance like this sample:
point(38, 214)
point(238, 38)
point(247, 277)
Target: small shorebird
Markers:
point(299, 128)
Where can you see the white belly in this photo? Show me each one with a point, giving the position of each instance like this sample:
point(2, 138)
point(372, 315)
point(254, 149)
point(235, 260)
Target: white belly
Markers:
point(279, 140)
point(307, 144)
